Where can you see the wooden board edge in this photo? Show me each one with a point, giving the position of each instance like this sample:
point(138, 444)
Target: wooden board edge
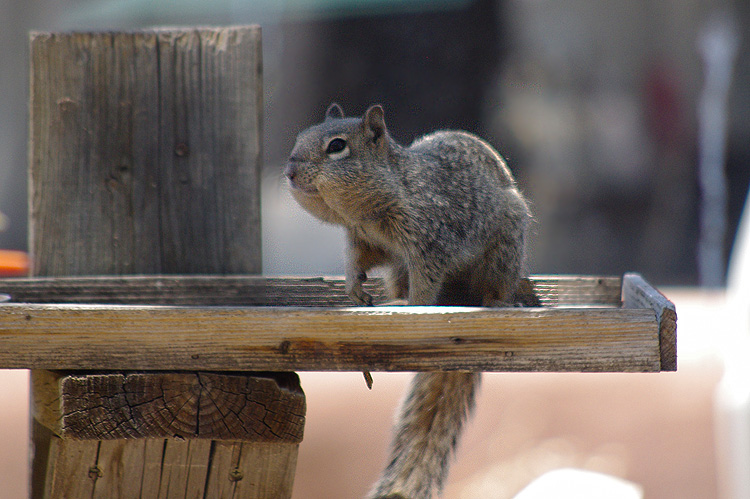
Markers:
point(310, 339)
point(45, 399)
point(254, 289)
point(637, 293)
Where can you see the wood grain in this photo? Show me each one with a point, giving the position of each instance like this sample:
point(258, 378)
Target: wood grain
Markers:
point(245, 477)
point(72, 468)
point(267, 291)
point(170, 468)
point(145, 152)
point(286, 338)
point(580, 292)
point(637, 293)
point(203, 405)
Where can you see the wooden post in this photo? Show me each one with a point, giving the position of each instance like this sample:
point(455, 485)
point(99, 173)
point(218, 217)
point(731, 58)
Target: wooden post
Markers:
point(145, 159)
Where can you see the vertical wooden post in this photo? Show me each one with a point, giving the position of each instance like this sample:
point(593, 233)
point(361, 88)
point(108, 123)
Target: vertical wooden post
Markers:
point(145, 152)
point(145, 158)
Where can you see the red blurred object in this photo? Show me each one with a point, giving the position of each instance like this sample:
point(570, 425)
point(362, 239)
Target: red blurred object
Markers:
point(13, 263)
point(665, 110)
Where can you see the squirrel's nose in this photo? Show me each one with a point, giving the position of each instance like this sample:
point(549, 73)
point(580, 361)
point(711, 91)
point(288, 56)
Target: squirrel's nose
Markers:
point(291, 169)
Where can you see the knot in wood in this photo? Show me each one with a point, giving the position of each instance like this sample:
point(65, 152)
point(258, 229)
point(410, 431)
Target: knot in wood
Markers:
point(235, 475)
point(66, 105)
point(285, 346)
point(95, 473)
point(181, 150)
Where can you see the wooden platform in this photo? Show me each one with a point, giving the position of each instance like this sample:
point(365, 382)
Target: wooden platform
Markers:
point(252, 323)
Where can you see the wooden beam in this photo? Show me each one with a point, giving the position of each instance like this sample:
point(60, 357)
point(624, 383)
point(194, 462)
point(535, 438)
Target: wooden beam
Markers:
point(144, 152)
point(144, 158)
point(202, 291)
point(286, 338)
point(205, 405)
point(266, 291)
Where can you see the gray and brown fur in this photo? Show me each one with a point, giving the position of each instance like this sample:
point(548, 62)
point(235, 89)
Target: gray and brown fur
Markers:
point(445, 217)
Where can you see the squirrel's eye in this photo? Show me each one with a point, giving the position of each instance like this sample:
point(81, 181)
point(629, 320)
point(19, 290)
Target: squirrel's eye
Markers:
point(336, 145)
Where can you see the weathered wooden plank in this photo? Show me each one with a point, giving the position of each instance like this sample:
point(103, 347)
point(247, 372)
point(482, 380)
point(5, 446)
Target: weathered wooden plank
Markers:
point(224, 475)
point(120, 468)
point(266, 291)
point(560, 290)
point(153, 463)
point(253, 472)
point(197, 465)
point(285, 338)
point(172, 468)
point(183, 462)
point(72, 471)
point(186, 290)
point(209, 137)
point(145, 152)
point(256, 479)
point(637, 293)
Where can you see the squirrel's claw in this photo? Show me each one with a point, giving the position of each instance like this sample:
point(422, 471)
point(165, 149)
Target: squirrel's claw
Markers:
point(355, 291)
point(360, 297)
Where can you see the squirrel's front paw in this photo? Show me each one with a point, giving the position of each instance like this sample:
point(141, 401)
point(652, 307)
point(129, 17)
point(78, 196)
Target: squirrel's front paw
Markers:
point(356, 292)
point(360, 296)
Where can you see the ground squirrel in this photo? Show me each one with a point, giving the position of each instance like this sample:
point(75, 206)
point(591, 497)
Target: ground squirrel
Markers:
point(445, 217)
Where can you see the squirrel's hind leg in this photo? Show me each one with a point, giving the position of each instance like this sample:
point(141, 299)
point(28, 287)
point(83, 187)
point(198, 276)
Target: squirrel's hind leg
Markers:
point(397, 282)
point(424, 285)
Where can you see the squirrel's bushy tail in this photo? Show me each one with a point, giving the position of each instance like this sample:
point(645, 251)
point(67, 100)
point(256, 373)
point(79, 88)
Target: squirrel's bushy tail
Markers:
point(428, 426)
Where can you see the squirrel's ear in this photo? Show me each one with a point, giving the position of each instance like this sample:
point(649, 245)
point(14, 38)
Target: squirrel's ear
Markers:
point(334, 111)
point(374, 121)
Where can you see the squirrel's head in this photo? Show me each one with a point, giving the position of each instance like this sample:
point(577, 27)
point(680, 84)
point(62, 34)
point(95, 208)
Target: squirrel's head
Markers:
point(336, 157)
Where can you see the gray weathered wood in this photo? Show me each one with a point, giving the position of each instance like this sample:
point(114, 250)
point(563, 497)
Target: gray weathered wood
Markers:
point(637, 293)
point(577, 290)
point(266, 291)
point(144, 152)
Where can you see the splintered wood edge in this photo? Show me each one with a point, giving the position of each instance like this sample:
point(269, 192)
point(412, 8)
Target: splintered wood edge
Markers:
point(122, 337)
point(637, 293)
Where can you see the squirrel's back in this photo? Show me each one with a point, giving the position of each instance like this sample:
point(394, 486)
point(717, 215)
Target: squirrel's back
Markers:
point(460, 149)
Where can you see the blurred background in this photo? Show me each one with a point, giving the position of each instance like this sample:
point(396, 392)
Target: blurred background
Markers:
point(627, 124)
point(593, 103)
